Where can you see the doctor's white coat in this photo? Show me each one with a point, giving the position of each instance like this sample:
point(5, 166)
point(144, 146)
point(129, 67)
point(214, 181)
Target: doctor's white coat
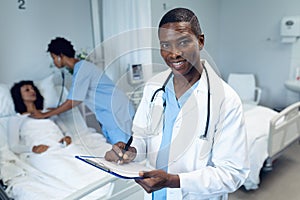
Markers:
point(208, 168)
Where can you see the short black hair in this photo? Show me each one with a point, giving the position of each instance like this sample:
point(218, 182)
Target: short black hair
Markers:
point(60, 45)
point(18, 100)
point(182, 15)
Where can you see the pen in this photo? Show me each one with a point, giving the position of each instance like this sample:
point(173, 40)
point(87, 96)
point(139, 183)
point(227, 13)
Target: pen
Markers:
point(126, 147)
point(128, 143)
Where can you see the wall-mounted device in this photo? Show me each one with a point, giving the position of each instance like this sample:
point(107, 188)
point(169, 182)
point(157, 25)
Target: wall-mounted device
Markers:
point(135, 73)
point(290, 28)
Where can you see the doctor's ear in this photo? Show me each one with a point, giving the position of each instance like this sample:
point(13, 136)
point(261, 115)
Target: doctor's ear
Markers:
point(201, 41)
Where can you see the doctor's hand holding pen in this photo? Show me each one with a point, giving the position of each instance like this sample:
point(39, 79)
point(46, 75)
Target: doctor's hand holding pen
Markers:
point(121, 152)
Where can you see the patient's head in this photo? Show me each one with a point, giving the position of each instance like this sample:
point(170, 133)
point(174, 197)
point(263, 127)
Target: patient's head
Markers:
point(24, 93)
point(60, 46)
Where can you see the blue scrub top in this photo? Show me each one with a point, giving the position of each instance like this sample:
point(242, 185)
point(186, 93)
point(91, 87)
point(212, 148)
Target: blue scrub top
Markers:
point(111, 106)
point(172, 109)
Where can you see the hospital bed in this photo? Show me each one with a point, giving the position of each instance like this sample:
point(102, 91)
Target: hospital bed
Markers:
point(269, 134)
point(23, 181)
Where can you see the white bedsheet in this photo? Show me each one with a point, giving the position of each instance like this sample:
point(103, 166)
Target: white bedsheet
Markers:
point(55, 173)
point(56, 180)
point(59, 174)
point(257, 120)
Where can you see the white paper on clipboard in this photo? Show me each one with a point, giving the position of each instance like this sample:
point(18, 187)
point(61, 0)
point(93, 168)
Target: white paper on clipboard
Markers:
point(127, 171)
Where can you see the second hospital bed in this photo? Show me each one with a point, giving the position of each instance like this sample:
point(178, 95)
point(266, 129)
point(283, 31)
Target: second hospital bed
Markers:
point(23, 181)
point(269, 133)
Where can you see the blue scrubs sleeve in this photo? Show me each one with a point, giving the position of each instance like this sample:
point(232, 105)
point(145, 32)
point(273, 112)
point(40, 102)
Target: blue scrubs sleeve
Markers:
point(80, 83)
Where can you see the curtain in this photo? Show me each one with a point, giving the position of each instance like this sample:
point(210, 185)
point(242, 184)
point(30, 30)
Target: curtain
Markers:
point(126, 38)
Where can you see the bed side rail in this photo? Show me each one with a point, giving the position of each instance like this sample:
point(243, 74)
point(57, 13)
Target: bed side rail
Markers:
point(3, 195)
point(284, 130)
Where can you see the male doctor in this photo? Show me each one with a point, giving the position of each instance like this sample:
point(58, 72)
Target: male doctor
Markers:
point(189, 124)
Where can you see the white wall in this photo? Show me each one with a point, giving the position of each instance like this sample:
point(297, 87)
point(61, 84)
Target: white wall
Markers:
point(250, 42)
point(26, 33)
point(241, 36)
point(244, 36)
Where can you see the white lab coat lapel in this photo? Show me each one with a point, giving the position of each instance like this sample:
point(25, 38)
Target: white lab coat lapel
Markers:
point(190, 122)
point(217, 97)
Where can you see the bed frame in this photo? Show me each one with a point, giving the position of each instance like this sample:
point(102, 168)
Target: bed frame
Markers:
point(3, 195)
point(284, 131)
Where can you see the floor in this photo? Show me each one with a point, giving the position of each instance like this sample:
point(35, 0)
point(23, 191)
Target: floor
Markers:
point(282, 183)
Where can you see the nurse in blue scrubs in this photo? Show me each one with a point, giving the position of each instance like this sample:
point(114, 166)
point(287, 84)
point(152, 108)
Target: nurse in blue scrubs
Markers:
point(90, 85)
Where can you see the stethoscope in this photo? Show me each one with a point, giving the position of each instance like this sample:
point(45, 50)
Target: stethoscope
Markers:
point(163, 89)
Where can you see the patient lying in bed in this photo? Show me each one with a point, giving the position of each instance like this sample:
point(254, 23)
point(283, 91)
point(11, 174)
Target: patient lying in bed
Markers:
point(39, 142)
point(30, 135)
point(37, 135)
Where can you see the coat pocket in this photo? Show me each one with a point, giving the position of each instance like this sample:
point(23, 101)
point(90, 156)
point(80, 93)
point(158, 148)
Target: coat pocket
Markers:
point(204, 147)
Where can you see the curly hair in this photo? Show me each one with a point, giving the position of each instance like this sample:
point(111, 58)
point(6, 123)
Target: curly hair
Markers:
point(18, 100)
point(60, 46)
point(182, 15)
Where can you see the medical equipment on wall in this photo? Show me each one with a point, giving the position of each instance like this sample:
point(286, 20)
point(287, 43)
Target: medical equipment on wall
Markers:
point(290, 29)
point(135, 74)
point(155, 120)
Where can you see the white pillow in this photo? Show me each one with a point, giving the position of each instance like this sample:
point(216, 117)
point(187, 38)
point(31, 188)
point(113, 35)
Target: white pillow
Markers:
point(47, 88)
point(6, 102)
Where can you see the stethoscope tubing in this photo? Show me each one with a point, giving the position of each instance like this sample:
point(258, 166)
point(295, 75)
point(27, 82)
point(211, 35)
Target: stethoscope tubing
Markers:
point(204, 136)
point(163, 88)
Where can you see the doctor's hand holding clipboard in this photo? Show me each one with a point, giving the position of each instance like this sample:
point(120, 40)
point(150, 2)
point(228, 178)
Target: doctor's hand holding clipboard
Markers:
point(153, 180)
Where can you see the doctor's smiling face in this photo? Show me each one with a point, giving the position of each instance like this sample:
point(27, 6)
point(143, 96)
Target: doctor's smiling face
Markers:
point(180, 47)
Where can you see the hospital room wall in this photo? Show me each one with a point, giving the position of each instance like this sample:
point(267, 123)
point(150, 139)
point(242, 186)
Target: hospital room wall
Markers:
point(250, 42)
point(241, 36)
point(26, 33)
point(244, 37)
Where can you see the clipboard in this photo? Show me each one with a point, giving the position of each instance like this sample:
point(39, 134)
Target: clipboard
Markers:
point(125, 171)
